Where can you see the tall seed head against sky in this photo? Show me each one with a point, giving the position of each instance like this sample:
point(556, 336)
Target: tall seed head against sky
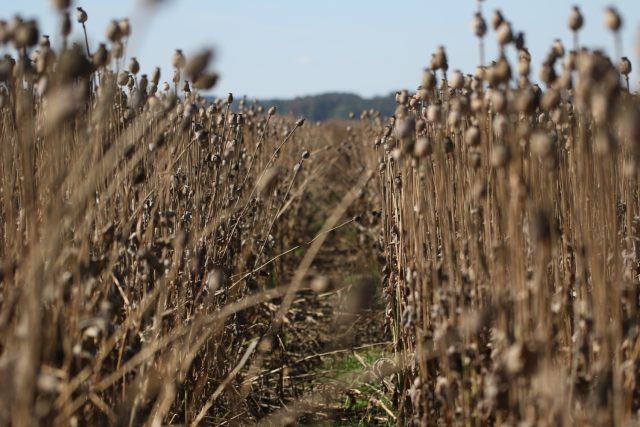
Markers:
point(287, 48)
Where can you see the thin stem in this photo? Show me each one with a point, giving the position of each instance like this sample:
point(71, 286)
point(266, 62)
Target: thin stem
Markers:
point(260, 141)
point(255, 186)
point(275, 258)
point(275, 218)
point(86, 40)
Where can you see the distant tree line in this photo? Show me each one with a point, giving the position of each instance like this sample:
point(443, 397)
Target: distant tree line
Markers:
point(332, 105)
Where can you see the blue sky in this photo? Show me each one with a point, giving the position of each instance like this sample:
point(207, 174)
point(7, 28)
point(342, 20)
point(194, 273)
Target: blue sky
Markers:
point(286, 48)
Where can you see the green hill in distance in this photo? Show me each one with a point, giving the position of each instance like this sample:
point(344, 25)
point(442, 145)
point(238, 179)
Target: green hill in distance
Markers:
point(332, 105)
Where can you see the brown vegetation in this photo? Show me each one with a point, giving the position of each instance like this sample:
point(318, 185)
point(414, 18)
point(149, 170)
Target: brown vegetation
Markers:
point(168, 260)
point(151, 240)
point(511, 236)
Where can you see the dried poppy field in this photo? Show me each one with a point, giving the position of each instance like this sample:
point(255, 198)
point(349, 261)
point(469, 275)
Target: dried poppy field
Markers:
point(171, 258)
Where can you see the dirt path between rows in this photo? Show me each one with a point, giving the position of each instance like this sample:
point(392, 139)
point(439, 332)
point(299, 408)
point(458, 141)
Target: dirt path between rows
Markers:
point(325, 362)
point(329, 350)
